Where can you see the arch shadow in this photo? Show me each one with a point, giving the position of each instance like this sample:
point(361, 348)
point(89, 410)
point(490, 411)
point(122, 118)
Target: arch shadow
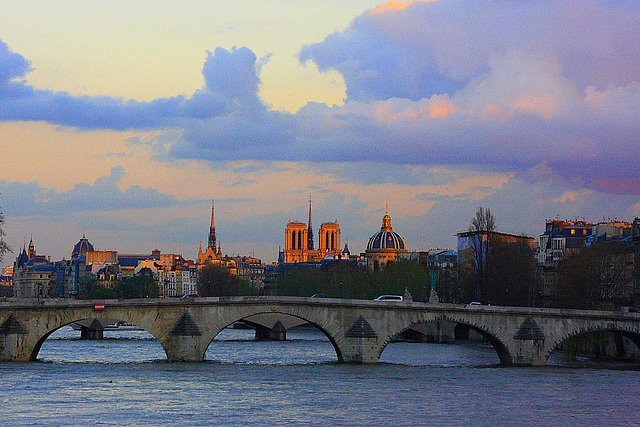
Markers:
point(633, 336)
point(501, 350)
point(322, 329)
point(43, 338)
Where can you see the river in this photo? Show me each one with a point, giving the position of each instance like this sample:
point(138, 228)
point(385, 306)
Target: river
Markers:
point(124, 380)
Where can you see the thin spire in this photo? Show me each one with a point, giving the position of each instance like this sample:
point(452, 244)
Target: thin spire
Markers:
point(310, 229)
point(213, 206)
point(212, 229)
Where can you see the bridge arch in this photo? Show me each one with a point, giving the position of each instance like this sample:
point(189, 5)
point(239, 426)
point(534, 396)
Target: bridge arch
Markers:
point(584, 329)
point(42, 334)
point(492, 337)
point(332, 333)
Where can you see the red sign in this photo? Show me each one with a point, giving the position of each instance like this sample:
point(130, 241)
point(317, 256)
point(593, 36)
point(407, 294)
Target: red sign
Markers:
point(98, 307)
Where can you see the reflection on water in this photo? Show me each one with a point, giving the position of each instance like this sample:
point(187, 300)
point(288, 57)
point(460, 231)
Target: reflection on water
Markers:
point(124, 380)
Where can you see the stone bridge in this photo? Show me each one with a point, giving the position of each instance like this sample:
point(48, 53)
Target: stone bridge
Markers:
point(359, 330)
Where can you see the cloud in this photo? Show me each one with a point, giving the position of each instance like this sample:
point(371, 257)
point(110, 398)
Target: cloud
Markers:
point(32, 199)
point(519, 87)
point(427, 48)
point(221, 95)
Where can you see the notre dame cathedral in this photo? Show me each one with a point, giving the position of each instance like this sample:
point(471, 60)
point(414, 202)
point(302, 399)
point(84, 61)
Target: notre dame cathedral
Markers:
point(299, 244)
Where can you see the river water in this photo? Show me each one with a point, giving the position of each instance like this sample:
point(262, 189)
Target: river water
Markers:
point(124, 380)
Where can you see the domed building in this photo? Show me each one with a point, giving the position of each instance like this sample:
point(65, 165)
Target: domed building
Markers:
point(384, 246)
point(81, 248)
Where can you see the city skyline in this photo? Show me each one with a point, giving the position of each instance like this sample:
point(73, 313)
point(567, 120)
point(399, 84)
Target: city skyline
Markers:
point(124, 125)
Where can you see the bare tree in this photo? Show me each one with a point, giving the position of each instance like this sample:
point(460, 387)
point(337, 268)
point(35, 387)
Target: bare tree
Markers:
point(483, 221)
point(4, 248)
point(482, 226)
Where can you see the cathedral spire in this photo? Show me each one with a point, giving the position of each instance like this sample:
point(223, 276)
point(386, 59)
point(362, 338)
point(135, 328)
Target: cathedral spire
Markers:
point(310, 229)
point(212, 229)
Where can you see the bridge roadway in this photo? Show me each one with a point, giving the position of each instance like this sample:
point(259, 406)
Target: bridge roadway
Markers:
point(359, 330)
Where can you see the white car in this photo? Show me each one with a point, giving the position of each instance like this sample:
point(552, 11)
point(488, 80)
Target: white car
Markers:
point(390, 298)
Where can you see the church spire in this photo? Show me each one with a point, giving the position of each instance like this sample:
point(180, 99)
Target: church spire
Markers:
point(310, 229)
point(212, 229)
point(32, 250)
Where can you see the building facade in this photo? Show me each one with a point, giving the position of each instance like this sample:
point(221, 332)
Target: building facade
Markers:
point(299, 244)
point(563, 239)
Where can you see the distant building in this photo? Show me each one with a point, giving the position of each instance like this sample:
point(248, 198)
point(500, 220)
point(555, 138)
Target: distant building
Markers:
point(385, 246)
point(248, 268)
point(442, 266)
point(177, 277)
point(81, 248)
point(213, 254)
point(6, 282)
point(490, 263)
point(299, 245)
point(34, 275)
point(563, 239)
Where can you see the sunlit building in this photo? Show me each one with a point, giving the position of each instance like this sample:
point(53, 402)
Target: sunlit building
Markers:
point(34, 276)
point(213, 253)
point(299, 243)
point(385, 246)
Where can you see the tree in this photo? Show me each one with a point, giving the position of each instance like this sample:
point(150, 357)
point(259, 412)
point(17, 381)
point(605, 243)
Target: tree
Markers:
point(4, 248)
point(496, 268)
point(596, 277)
point(87, 286)
point(482, 226)
point(217, 281)
point(511, 274)
point(346, 280)
point(137, 287)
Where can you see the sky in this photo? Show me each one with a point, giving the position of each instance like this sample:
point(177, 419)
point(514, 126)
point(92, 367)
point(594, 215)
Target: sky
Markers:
point(124, 120)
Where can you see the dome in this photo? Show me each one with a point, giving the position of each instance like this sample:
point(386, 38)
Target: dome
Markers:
point(386, 238)
point(81, 248)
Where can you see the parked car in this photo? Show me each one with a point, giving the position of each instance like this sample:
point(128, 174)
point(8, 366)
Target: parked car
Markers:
point(191, 296)
point(390, 298)
point(319, 296)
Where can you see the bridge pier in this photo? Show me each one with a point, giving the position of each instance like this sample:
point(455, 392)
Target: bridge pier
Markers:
point(362, 343)
point(277, 333)
point(361, 351)
point(528, 353)
point(185, 349)
point(95, 331)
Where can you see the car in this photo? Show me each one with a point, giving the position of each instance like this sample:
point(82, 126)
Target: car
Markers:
point(319, 296)
point(390, 298)
point(472, 303)
point(191, 296)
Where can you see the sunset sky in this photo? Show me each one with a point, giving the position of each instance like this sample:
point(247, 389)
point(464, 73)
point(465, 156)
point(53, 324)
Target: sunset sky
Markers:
point(123, 120)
